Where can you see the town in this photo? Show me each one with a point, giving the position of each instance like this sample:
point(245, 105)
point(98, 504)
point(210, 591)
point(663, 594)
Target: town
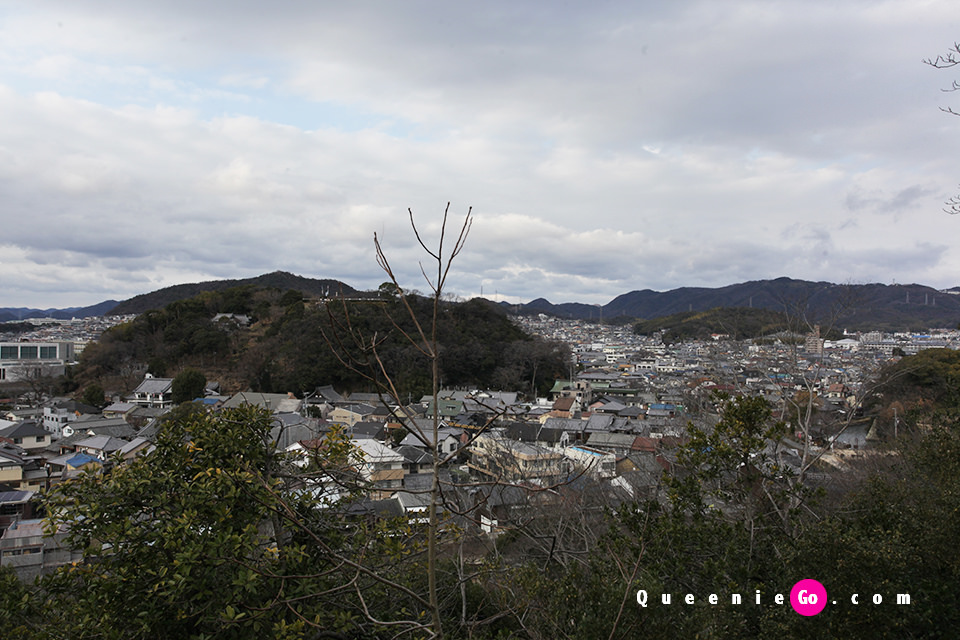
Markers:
point(615, 421)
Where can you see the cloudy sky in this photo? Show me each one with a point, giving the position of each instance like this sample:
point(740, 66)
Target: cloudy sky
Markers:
point(604, 147)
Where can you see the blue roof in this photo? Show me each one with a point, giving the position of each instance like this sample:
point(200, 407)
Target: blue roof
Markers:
point(81, 459)
point(593, 453)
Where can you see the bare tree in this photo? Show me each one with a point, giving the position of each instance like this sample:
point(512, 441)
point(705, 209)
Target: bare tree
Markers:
point(360, 352)
point(949, 60)
point(426, 341)
point(450, 506)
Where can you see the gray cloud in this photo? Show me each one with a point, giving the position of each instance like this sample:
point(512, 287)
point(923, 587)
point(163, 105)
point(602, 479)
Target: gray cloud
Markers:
point(604, 148)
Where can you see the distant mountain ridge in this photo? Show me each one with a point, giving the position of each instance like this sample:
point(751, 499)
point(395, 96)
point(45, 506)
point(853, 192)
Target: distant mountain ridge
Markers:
point(13, 314)
point(853, 306)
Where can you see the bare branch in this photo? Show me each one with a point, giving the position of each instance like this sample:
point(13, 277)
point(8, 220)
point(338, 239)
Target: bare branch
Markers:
point(947, 60)
point(952, 206)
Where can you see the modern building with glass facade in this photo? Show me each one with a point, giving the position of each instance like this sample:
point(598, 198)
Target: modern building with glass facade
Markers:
point(24, 360)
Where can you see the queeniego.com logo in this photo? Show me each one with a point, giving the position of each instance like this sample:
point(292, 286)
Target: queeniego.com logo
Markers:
point(807, 597)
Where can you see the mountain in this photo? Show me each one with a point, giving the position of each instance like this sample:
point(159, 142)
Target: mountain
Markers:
point(864, 306)
point(289, 343)
point(162, 297)
point(277, 280)
point(11, 314)
point(565, 310)
point(848, 306)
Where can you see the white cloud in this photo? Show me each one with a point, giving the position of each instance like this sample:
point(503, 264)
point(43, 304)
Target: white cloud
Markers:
point(604, 148)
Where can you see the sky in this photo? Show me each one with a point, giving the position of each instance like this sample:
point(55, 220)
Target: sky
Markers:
point(599, 147)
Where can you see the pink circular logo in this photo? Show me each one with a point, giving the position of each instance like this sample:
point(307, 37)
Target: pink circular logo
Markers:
point(808, 597)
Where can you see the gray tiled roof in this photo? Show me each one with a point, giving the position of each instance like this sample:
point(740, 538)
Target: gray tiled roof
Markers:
point(155, 386)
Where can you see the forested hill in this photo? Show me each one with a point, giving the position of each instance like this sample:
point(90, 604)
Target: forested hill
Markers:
point(738, 323)
point(280, 280)
point(286, 342)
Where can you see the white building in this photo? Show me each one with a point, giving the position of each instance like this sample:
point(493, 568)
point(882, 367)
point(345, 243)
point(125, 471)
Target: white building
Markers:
point(602, 464)
point(379, 465)
point(25, 360)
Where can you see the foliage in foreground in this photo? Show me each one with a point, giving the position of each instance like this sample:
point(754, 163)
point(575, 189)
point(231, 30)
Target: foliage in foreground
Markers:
point(205, 537)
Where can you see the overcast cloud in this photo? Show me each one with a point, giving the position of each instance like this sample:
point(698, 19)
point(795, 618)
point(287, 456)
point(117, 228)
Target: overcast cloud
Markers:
point(604, 147)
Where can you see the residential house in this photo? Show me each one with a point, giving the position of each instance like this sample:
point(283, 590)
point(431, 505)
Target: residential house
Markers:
point(615, 443)
point(58, 413)
point(564, 408)
point(449, 439)
point(447, 408)
point(135, 448)
point(551, 436)
point(415, 460)
point(142, 417)
point(273, 402)
point(80, 463)
point(20, 470)
point(416, 506)
point(12, 461)
point(15, 506)
point(26, 434)
point(29, 552)
point(119, 410)
point(579, 389)
point(290, 428)
point(350, 414)
point(20, 413)
point(608, 406)
point(495, 508)
point(380, 466)
point(494, 456)
point(372, 429)
point(153, 392)
point(101, 447)
point(608, 422)
point(841, 393)
point(601, 464)
point(663, 410)
point(115, 427)
point(373, 510)
point(384, 407)
point(633, 412)
point(452, 404)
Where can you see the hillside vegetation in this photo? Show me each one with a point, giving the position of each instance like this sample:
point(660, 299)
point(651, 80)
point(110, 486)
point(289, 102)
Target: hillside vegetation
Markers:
point(737, 323)
point(293, 343)
point(279, 280)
